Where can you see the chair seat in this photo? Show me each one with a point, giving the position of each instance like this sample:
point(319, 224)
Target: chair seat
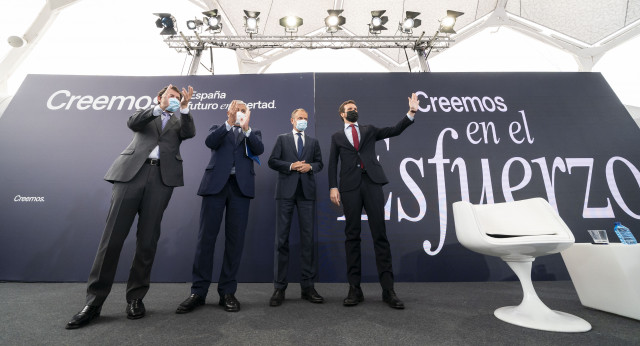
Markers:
point(518, 232)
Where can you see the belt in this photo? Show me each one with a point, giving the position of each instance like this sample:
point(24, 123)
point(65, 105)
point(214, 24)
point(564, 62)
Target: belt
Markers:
point(153, 162)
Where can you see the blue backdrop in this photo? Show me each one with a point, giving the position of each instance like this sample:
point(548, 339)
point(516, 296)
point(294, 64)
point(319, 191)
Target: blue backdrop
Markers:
point(484, 137)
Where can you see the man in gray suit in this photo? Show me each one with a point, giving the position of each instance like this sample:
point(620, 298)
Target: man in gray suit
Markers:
point(143, 178)
point(296, 156)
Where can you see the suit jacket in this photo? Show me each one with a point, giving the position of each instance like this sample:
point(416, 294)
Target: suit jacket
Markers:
point(284, 153)
point(225, 152)
point(350, 173)
point(148, 133)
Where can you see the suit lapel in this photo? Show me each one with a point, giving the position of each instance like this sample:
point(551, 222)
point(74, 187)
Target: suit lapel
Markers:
point(348, 143)
point(240, 137)
point(172, 120)
point(158, 122)
point(291, 143)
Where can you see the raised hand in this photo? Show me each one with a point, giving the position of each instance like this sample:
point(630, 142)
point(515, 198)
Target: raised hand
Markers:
point(244, 123)
point(164, 99)
point(231, 113)
point(186, 96)
point(413, 103)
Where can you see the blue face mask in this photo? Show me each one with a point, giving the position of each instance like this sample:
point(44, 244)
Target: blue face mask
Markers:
point(301, 125)
point(174, 105)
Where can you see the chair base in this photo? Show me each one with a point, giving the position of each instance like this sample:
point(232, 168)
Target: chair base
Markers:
point(542, 319)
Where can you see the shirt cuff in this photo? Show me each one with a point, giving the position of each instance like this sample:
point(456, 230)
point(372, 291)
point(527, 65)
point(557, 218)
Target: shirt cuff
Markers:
point(157, 111)
point(184, 110)
point(410, 116)
point(246, 134)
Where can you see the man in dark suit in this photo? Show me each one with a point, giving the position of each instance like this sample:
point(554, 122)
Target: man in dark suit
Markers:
point(361, 180)
point(228, 184)
point(143, 178)
point(296, 156)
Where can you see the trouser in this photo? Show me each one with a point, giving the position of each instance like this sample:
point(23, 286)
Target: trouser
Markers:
point(306, 221)
point(236, 205)
point(147, 196)
point(368, 195)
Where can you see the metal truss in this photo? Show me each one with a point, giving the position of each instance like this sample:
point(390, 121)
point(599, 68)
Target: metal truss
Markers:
point(198, 42)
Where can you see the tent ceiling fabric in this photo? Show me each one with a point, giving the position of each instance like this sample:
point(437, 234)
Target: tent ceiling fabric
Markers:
point(586, 22)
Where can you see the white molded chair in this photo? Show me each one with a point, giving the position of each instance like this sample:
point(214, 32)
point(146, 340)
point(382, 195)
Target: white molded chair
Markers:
point(518, 232)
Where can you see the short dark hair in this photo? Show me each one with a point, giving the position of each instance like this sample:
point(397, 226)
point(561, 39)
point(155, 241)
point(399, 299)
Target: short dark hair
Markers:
point(173, 87)
point(341, 109)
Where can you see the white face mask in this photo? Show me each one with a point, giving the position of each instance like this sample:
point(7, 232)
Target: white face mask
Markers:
point(240, 117)
point(301, 125)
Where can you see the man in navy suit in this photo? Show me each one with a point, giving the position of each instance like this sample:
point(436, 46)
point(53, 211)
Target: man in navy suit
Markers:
point(227, 187)
point(296, 156)
point(361, 181)
point(143, 178)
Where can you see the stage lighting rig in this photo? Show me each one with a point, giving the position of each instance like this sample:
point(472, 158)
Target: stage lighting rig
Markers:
point(409, 23)
point(213, 21)
point(167, 22)
point(204, 35)
point(377, 22)
point(194, 24)
point(447, 23)
point(334, 21)
point(251, 22)
point(290, 23)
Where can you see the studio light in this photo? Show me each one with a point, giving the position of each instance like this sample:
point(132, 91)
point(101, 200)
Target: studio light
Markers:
point(290, 23)
point(377, 22)
point(251, 22)
point(409, 22)
point(194, 24)
point(212, 21)
point(447, 23)
point(334, 21)
point(167, 22)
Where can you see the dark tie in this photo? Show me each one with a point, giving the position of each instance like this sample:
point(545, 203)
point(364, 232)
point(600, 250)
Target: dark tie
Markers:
point(300, 145)
point(356, 141)
point(237, 131)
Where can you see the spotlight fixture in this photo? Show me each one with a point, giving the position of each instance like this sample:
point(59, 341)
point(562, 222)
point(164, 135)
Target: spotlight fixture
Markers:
point(212, 21)
point(447, 23)
point(410, 22)
point(377, 22)
point(334, 21)
point(194, 24)
point(251, 22)
point(290, 23)
point(167, 22)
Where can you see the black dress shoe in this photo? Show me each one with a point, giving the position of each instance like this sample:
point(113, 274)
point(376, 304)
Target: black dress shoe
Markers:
point(277, 298)
point(230, 303)
point(135, 309)
point(389, 297)
point(312, 295)
point(354, 297)
point(189, 304)
point(83, 317)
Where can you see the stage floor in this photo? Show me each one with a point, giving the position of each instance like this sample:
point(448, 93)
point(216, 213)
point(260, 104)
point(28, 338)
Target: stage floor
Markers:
point(436, 313)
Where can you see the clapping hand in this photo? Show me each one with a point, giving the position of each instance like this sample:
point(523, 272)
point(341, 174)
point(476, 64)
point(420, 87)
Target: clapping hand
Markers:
point(244, 123)
point(186, 96)
point(231, 113)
